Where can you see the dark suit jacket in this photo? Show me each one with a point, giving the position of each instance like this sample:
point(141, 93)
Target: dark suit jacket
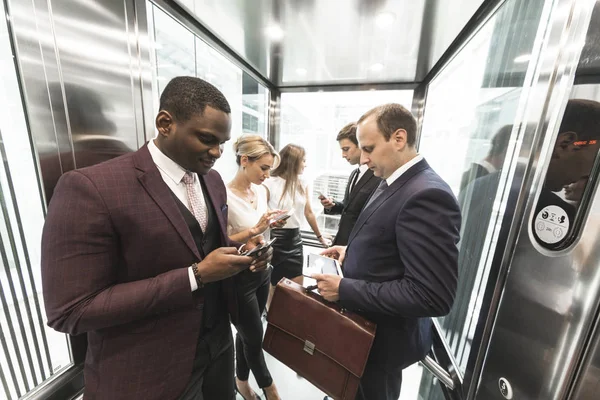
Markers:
point(352, 204)
point(115, 258)
point(474, 172)
point(401, 264)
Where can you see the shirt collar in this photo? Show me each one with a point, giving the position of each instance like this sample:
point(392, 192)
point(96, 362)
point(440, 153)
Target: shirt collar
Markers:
point(397, 173)
point(173, 170)
point(363, 168)
point(488, 166)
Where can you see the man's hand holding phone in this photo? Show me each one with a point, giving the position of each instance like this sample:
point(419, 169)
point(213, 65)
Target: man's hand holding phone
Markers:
point(261, 252)
point(326, 202)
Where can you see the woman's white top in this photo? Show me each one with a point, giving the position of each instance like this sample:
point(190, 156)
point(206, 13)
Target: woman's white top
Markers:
point(242, 215)
point(295, 203)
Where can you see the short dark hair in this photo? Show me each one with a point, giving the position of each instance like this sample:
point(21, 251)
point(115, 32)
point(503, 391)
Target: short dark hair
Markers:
point(500, 141)
point(390, 118)
point(583, 118)
point(185, 96)
point(348, 132)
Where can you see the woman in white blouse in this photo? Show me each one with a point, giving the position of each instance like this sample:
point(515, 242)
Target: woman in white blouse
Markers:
point(288, 191)
point(248, 216)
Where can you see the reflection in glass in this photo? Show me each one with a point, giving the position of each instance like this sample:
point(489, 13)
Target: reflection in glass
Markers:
point(575, 150)
point(314, 120)
point(469, 139)
point(178, 51)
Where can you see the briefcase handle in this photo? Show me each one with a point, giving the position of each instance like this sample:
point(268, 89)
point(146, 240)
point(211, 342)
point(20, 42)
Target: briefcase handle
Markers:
point(309, 289)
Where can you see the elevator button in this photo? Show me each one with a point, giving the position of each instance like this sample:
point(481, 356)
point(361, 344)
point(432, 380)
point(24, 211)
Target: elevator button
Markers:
point(505, 388)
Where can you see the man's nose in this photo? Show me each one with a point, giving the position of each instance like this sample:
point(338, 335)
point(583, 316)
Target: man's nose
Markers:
point(216, 151)
point(364, 159)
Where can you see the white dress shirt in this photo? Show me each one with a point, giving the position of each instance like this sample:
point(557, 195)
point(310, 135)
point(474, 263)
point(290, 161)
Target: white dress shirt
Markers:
point(297, 204)
point(172, 173)
point(397, 173)
point(488, 166)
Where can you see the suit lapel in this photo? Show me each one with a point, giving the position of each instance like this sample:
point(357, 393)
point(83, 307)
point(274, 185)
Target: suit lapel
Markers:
point(347, 191)
point(362, 181)
point(210, 185)
point(398, 183)
point(152, 181)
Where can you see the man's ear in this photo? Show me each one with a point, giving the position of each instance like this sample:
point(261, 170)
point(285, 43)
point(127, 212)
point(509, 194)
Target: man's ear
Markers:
point(399, 137)
point(164, 123)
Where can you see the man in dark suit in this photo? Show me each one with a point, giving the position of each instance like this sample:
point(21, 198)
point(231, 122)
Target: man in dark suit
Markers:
point(132, 255)
point(493, 161)
point(400, 265)
point(361, 184)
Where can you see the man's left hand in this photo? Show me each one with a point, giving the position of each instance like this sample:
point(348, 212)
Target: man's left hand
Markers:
point(263, 258)
point(329, 286)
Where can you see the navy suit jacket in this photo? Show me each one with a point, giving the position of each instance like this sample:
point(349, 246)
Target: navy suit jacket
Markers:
point(401, 265)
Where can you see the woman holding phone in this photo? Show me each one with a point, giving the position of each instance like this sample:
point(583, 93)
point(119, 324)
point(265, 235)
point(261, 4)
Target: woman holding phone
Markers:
point(288, 191)
point(248, 216)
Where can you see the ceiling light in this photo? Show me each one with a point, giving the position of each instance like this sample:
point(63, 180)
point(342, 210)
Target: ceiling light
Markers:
point(301, 71)
point(274, 32)
point(377, 67)
point(523, 58)
point(385, 19)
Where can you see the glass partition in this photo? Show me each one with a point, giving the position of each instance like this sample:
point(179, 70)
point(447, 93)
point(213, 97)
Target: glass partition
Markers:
point(313, 121)
point(179, 51)
point(30, 352)
point(468, 138)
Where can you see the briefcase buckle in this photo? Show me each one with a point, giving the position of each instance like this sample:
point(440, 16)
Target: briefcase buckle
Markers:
point(309, 347)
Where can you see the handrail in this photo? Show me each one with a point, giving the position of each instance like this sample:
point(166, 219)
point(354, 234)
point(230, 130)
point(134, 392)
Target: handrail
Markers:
point(437, 371)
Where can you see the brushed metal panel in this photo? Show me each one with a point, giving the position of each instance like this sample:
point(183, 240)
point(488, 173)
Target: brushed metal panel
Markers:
point(84, 80)
point(38, 63)
point(546, 308)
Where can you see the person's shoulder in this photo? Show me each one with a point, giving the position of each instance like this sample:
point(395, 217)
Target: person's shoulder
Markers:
point(429, 184)
point(118, 168)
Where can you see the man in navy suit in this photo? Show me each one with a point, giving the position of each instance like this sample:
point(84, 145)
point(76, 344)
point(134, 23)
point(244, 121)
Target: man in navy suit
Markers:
point(400, 265)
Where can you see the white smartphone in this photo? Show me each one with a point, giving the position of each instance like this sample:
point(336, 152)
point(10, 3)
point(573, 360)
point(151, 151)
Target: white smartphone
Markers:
point(283, 216)
point(321, 195)
point(319, 264)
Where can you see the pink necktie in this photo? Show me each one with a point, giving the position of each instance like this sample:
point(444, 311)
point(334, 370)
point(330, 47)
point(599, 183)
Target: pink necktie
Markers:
point(195, 200)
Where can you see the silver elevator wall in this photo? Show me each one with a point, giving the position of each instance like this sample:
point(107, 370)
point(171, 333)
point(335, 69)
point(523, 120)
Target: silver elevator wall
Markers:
point(549, 302)
point(81, 79)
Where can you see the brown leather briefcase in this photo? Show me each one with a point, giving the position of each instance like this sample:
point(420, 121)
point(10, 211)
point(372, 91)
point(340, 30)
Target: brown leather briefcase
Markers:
point(323, 343)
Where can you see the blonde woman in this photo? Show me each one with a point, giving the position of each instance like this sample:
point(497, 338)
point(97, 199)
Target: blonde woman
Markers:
point(249, 215)
point(288, 191)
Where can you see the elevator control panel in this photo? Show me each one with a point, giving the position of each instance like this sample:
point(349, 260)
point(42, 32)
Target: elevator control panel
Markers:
point(551, 224)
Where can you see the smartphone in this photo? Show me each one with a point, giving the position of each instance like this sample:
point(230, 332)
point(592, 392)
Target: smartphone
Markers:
point(283, 216)
point(321, 195)
point(259, 248)
point(319, 264)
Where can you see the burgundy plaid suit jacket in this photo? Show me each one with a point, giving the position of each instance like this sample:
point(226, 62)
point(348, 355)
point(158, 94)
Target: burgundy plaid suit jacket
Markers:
point(115, 258)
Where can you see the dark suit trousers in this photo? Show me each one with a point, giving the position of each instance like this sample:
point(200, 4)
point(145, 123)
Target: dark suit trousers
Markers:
point(252, 292)
point(377, 384)
point(212, 376)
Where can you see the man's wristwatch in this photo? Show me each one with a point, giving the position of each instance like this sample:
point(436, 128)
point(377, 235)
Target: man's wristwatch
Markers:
point(197, 275)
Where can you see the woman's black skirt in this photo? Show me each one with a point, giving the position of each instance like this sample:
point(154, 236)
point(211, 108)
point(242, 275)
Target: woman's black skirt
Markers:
point(287, 254)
